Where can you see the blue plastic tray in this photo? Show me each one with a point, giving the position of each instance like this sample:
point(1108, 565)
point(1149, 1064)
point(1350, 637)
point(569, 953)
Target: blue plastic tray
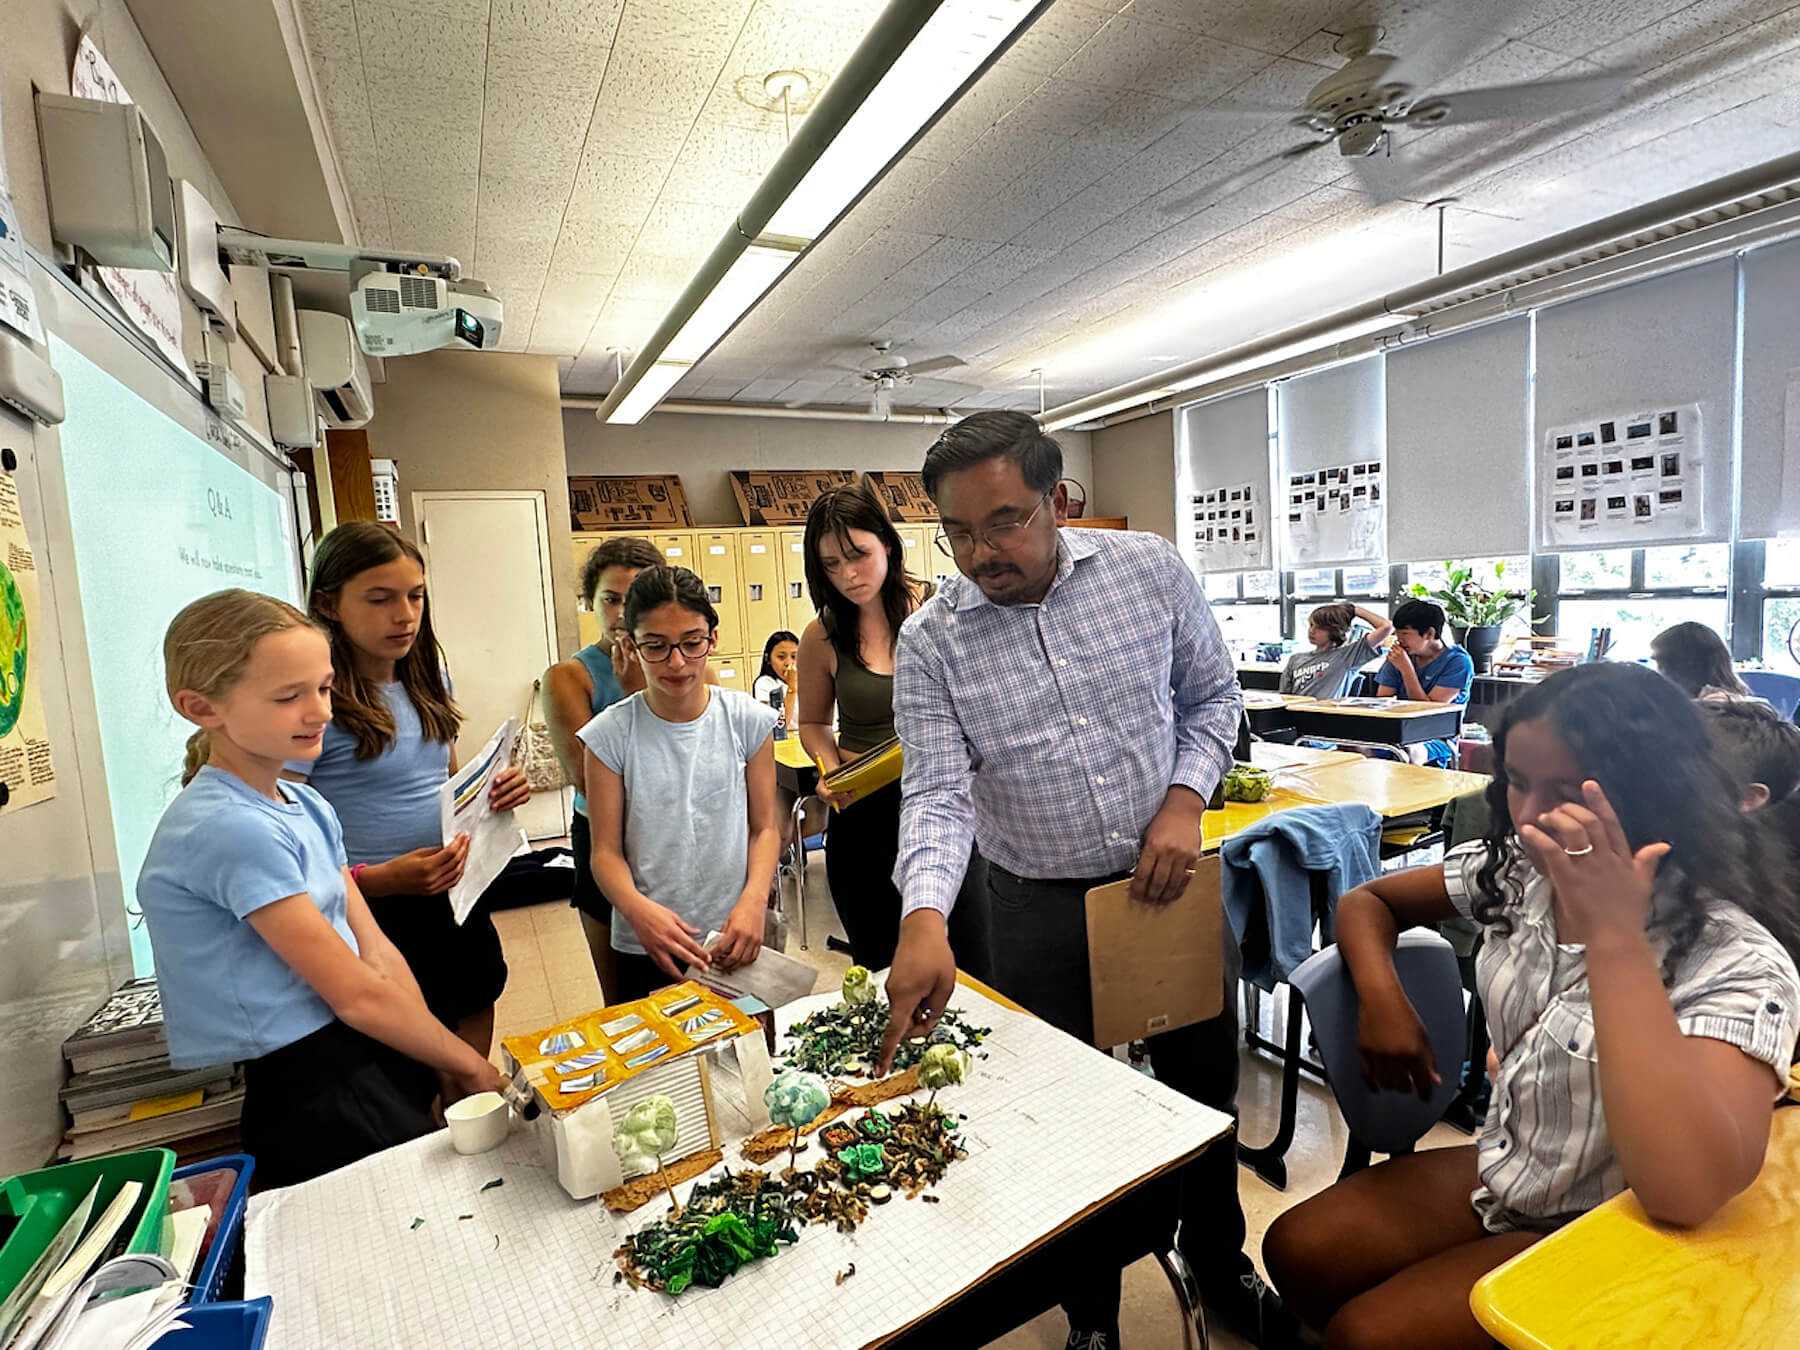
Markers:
point(230, 1231)
point(220, 1326)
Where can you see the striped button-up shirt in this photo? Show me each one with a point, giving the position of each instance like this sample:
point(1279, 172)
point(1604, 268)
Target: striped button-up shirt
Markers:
point(1545, 1155)
point(1050, 733)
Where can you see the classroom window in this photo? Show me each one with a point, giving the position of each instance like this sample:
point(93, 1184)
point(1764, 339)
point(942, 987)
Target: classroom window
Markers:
point(1260, 585)
point(1781, 563)
point(1370, 579)
point(1246, 625)
point(1319, 581)
point(1609, 570)
point(1780, 641)
point(1634, 622)
point(1684, 565)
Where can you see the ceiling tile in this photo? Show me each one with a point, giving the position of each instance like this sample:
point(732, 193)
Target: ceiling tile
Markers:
point(570, 22)
point(615, 187)
point(435, 225)
point(594, 246)
point(412, 42)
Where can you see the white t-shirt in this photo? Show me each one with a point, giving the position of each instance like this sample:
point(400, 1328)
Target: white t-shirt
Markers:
point(687, 822)
point(766, 687)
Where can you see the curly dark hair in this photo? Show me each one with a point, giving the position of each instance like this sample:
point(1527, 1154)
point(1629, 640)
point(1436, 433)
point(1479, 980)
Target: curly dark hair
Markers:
point(1635, 734)
point(625, 551)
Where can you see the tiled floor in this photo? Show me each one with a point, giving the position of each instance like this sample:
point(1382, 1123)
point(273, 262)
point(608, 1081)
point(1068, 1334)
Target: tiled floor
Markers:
point(551, 978)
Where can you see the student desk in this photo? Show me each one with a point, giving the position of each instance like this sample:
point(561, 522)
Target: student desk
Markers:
point(531, 1269)
point(1399, 722)
point(1612, 1279)
point(1269, 712)
point(1260, 674)
point(1390, 790)
point(794, 769)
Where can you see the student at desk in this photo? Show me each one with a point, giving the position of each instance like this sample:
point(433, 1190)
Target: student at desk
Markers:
point(1067, 702)
point(1422, 667)
point(1338, 653)
point(1639, 984)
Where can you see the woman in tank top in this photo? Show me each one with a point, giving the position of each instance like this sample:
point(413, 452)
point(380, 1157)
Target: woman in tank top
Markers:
point(858, 582)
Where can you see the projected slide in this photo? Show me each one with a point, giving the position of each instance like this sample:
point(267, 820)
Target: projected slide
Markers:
point(160, 518)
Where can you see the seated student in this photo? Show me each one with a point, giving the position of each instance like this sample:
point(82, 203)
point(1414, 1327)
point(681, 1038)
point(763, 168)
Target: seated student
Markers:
point(1697, 659)
point(266, 953)
point(1330, 669)
point(1639, 983)
point(780, 674)
point(1422, 666)
point(1757, 745)
point(681, 796)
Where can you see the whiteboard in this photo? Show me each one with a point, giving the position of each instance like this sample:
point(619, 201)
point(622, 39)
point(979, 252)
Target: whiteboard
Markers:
point(64, 935)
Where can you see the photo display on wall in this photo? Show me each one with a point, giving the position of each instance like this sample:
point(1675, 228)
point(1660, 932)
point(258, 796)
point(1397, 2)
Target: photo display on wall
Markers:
point(1336, 514)
point(1620, 479)
point(1230, 527)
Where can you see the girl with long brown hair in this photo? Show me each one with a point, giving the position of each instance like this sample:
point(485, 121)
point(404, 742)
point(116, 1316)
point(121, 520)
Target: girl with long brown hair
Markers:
point(857, 577)
point(390, 747)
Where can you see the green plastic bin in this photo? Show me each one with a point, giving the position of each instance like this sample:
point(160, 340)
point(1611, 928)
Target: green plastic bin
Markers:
point(41, 1202)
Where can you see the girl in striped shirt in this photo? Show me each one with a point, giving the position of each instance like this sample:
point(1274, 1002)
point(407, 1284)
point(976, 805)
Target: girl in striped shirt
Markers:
point(1638, 977)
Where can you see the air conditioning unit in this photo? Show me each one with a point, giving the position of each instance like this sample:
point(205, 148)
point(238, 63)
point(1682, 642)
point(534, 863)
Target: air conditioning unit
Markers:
point(293, 420)
point(336, 369)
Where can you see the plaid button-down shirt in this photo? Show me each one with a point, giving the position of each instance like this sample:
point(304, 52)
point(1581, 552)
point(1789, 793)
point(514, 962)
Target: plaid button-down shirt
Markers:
point(1062, 724)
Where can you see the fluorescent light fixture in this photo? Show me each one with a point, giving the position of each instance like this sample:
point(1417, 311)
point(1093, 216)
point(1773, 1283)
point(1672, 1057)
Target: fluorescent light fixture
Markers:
point(952, 46)
point(648, 392)
point(1107, 409)
point(757, 268)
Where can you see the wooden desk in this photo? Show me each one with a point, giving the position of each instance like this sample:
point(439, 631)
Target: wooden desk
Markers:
point(1269, 712)
point(1269, 755)
point(1400, 722)
point(1391, 790)
point(794, 769)
point(1612, 1280)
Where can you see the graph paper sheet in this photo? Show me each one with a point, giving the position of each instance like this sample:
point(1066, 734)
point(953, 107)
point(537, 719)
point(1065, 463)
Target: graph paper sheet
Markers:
point(1053, 1127)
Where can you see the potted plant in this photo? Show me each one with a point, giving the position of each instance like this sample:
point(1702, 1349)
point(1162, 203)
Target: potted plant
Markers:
point(1476, 612)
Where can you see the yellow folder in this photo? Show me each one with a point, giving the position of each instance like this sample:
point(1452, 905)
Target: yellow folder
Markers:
point(868, 772)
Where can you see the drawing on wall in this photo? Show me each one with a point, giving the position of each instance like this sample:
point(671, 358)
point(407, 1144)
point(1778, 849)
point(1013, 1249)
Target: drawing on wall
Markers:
point(1336, 514)
point(1230, 526)
point(25, 764)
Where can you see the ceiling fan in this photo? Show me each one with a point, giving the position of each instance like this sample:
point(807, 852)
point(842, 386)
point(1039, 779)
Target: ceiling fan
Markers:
point(887, 370)
point(1358, 109)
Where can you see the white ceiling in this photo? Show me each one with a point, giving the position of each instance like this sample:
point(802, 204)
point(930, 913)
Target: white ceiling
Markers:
point(583, 156)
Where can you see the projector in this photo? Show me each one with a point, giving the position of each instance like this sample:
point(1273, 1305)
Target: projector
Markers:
point(406, 312)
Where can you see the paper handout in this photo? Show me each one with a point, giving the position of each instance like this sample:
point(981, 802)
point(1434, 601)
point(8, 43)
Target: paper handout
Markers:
point(494, 836)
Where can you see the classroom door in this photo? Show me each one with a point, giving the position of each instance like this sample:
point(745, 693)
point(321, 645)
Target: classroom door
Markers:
point(487, 569)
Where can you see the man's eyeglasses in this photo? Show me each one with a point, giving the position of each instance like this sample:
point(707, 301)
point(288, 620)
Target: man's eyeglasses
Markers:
point(656, 651)
point(1000, 538)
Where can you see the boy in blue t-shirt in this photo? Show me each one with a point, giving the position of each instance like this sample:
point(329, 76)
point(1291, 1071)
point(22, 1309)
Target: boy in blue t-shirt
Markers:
point(1423, 667)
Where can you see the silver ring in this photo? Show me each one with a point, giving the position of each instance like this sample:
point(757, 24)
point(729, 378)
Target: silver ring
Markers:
point(1579, 852)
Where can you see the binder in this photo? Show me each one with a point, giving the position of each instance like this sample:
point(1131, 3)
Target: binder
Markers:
point(1155, 968)
point(868, 772)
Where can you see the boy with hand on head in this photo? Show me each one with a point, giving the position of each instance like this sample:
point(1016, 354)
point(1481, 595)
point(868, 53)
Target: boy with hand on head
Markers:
point(1421, 666)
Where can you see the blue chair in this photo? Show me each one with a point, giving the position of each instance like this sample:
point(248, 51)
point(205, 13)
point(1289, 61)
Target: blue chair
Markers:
point(1387, 1122)
point(1781, 692)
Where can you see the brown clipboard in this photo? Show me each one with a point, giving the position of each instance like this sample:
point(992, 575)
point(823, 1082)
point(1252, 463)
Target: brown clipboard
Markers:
point(1155, 968)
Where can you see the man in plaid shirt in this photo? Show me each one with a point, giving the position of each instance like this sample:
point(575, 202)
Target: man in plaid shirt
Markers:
point(1068, 703)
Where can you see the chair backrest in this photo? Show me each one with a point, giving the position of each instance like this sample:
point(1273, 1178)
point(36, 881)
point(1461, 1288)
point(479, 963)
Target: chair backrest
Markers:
point(1781, 692)
point(1388, 1122)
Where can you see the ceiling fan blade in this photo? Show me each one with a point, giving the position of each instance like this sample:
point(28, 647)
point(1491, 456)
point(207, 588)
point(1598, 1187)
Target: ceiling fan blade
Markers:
point(932, 363)
point(1431, 48)
point(1385, 177)
point(881, 402)
point(1214, 192)
point(1522, 102)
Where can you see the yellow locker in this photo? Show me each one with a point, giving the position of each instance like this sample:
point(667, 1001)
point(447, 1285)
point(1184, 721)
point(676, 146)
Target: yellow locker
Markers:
point(734, 672)
point(914, 543)
point(759, 563)
point(587, 624)
point(797, 609)
point(717, 555)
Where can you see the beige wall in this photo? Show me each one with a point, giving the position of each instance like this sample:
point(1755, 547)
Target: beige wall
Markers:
point(1134, 465)
point(704, 450)
point(37, 50)
point(466, 420)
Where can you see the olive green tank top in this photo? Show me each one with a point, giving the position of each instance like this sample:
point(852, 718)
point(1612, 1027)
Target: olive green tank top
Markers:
point(865, 703)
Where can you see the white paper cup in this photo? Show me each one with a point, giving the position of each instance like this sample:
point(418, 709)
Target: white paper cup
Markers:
point(478, 1123)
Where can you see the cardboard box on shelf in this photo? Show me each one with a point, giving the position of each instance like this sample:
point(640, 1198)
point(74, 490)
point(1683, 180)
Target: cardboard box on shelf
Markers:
point(638, 501)
point(905, 498)
point(782, 497)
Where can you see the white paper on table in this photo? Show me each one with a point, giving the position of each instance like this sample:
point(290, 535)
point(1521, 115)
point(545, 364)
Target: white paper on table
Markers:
point(773, 977)
point(82, 1314)
point(20, 1300)
point(463, 807)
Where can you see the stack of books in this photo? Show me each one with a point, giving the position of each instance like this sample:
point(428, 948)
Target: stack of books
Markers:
point(122, 1093)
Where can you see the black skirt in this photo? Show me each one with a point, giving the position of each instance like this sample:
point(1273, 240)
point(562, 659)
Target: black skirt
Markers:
point(328, 1100)
point(460, 969)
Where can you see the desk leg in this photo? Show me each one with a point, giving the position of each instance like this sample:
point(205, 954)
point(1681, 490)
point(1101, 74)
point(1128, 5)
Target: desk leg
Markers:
point(1187, 1291)
point(800, 866)
point(1270, 1162)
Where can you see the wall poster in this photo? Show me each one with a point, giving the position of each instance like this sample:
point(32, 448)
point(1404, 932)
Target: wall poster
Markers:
point(1336, 514)
point(1230, 528)
point(1620, 479)
point(26, 773)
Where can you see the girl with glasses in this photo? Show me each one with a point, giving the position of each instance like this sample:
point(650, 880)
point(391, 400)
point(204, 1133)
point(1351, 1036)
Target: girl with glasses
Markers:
point(681, 797)
point(857, 577)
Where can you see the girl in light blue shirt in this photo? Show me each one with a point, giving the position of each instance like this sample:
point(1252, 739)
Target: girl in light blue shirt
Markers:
point(389, 749)
point(265, 952)
point(681, 793)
